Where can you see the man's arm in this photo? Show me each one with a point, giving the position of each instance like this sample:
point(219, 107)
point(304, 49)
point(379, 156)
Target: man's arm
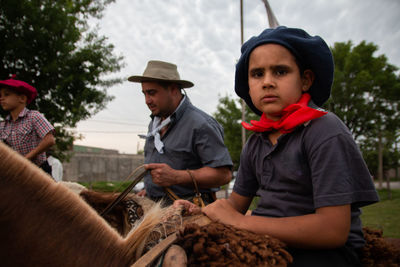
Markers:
point(47, 141)
point(206, 177)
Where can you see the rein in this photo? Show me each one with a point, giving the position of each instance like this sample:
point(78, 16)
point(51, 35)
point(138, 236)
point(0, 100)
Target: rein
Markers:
point(138, 178)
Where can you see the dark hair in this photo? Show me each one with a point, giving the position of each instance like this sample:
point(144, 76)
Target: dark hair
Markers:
point(165, 85)
point(13, 89)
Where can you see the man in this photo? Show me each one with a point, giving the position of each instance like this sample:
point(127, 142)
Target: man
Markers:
point(184, 148)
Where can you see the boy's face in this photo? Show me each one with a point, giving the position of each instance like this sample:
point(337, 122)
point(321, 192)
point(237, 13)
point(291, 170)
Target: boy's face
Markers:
point(158, 99)
point(10, 100)
point(274, 79)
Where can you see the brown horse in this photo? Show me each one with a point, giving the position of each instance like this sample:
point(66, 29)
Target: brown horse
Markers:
point(42, 223)
point(124, 215)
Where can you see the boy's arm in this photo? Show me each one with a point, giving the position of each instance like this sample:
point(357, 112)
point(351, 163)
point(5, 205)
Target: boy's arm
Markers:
point(239, 202)
point(233, 204)
point(328, 227)
point(47, 141)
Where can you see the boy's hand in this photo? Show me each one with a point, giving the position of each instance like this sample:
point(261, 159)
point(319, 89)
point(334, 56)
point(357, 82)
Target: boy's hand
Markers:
point(28, 156)
point(222, 211)
point(189, 207)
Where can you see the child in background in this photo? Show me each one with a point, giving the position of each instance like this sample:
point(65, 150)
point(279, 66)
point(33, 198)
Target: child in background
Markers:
point(301, 161)
point(26, 131)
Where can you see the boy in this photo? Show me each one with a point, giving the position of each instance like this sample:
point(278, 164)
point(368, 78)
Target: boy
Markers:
point(26, 131)
point(301, 161)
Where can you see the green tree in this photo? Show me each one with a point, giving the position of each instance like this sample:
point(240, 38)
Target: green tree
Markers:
point(229, 115)
point(49, 44)
point(365, 95)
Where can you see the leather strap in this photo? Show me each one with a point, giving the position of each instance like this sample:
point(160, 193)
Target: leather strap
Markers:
point(197, 197)
point(127, 190)
point(171, 193)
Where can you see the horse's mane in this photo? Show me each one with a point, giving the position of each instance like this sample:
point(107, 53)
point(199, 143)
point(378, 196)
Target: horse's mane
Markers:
point(45, 224)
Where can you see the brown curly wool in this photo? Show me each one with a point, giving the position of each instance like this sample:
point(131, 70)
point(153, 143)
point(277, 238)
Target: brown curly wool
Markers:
point(217, 244)
point(377, 252)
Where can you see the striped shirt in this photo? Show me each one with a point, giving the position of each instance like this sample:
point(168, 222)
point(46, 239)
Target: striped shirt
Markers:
point(25, 133)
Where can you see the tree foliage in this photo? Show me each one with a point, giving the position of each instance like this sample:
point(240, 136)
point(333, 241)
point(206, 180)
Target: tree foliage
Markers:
point(229, 115)
point(49, 44)
point(365, 95)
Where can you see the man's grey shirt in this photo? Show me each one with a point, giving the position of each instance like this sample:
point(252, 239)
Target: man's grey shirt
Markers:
point(193, 140)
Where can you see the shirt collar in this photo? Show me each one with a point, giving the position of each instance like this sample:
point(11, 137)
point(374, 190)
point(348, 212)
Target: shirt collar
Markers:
point(178, 113)
point(21, 114)
point(311, 104)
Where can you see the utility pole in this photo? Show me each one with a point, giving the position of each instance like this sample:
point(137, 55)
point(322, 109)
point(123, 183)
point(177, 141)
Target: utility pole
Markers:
point(242, 101)
point(273, 23)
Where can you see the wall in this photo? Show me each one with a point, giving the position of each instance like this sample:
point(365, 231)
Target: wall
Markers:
point(90, 167)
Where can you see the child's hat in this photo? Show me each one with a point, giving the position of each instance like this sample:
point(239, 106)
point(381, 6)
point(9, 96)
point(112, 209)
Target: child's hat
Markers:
point(311, 52)
point(21, 87)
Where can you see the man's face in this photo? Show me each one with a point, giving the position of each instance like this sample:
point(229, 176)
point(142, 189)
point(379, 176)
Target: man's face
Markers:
point(158, 98)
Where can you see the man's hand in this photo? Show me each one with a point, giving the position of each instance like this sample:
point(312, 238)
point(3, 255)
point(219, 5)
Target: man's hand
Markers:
point(162, 174)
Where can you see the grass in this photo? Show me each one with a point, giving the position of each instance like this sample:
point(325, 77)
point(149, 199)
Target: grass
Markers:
point(106, 186)
point(384, 215)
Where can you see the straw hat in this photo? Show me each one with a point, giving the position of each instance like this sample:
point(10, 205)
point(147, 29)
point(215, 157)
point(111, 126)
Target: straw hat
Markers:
point(160, 71)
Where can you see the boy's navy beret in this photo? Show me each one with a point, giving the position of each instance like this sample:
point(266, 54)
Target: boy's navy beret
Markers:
point(311, 51)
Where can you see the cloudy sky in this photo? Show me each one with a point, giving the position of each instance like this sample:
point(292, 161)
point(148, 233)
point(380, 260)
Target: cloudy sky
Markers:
point(203, 38)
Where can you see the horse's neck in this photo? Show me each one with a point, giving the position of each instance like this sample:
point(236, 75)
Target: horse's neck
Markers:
point(42, 223)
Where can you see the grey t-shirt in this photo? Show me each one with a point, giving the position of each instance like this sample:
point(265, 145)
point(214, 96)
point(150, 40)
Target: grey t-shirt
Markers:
point(316, 165)
point(193, 140)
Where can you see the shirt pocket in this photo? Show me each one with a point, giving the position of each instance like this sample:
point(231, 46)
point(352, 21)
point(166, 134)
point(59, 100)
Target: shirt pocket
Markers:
point(4, 134)
point(295, 174)
point(24, 133)
point(182, 159)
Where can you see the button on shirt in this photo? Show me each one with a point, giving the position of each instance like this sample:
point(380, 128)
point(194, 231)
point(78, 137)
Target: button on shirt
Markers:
point(25, 133)
point(316, 165)
point(193, 140)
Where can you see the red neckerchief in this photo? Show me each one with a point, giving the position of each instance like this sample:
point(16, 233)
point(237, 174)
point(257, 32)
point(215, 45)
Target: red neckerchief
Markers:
point(292, 116)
